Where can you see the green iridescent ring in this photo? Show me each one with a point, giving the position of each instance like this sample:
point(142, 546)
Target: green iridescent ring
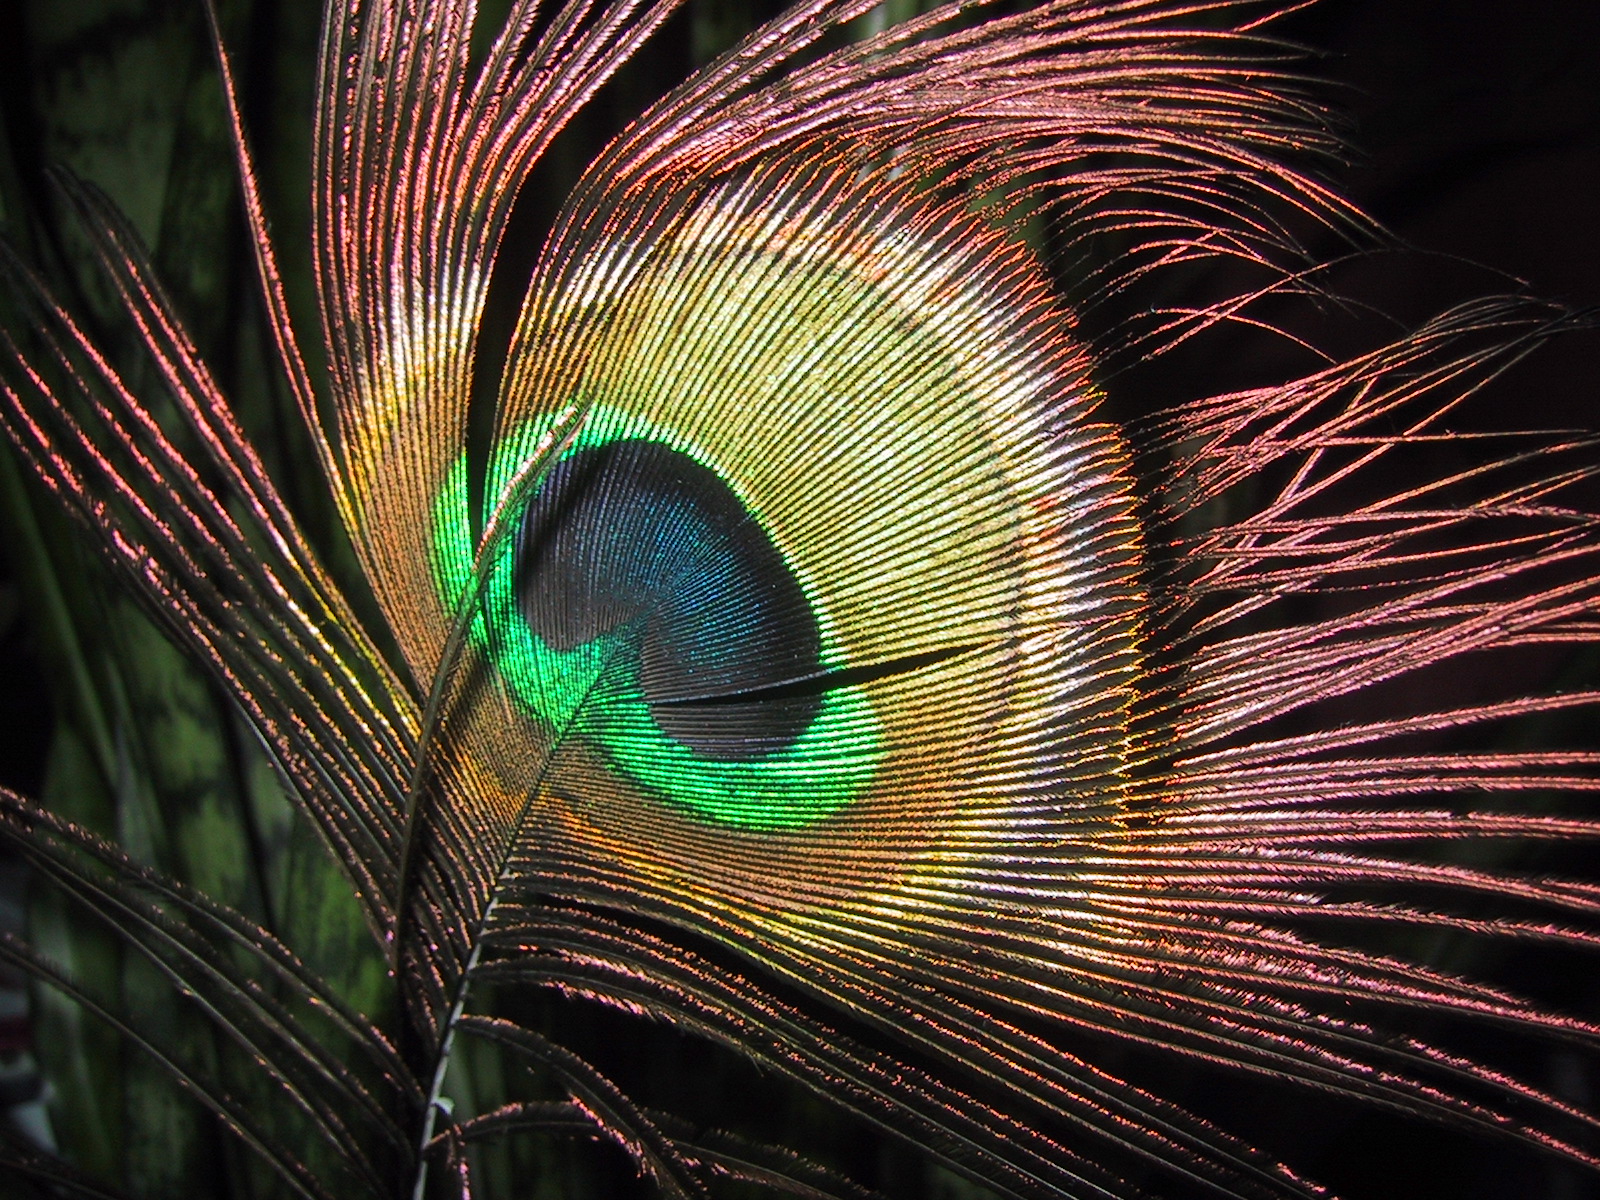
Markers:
point(592, 690)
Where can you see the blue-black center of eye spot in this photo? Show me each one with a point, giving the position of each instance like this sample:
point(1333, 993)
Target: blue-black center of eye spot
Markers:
point(634, 536)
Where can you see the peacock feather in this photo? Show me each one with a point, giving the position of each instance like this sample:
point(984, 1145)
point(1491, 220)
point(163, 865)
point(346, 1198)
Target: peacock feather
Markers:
point(793, 635)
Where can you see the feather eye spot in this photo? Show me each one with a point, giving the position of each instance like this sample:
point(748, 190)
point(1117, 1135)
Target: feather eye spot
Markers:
point(636, 540)
point(643, 612)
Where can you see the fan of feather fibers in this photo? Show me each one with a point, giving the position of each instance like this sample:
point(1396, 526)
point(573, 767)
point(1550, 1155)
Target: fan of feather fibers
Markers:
point(839, 601)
